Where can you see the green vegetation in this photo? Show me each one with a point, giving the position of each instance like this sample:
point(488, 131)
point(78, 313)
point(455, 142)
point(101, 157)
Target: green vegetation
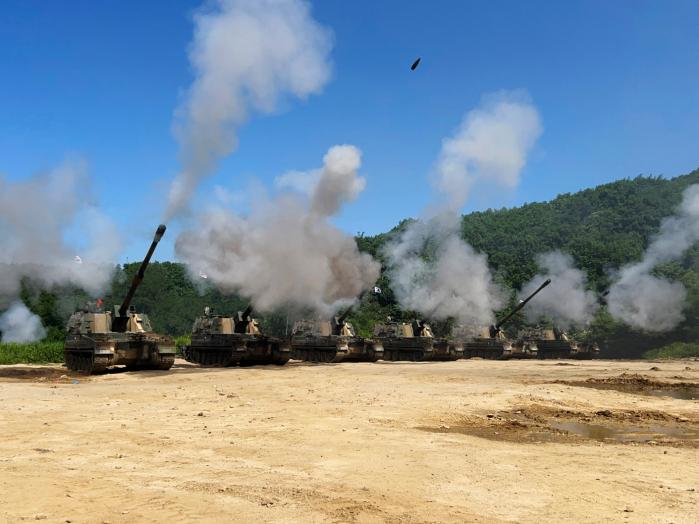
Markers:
point(35, 353)
point(675, 350)
point(601, 228)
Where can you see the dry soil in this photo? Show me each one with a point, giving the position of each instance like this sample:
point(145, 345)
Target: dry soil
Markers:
point(466, 441)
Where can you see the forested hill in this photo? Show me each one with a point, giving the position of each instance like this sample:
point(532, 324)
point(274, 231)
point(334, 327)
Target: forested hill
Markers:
point(602, 228)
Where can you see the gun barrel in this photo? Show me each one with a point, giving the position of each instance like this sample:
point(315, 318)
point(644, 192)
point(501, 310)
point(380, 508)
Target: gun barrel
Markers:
point(138, 278)
point(521, 305)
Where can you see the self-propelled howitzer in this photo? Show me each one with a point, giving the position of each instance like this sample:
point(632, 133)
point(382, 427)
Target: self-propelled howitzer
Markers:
point(332, 340)
point(221, 340)
point(96, 340)
point(491, 342)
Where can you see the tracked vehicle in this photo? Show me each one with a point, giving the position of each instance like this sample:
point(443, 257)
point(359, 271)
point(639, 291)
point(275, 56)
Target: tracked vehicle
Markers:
point(491, 342)
point(96, 340)
point(551, 342)
point(220, 340)
point(585, 351)
point(332, 341)
point(407, 341)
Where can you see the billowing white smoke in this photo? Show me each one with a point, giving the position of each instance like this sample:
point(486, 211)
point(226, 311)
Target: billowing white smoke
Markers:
point(648, 302)
point(566, 300)
point(18, 324)
point(286, 253)
point(455, 283)
point(35, 214)
point(491, 146)
point(247, 55)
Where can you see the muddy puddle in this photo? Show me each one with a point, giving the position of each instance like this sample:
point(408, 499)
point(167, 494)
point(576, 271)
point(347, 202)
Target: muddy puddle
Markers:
point(540, 424)
point(640, 385)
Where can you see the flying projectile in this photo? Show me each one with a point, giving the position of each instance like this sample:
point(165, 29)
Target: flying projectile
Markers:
point(415, 64)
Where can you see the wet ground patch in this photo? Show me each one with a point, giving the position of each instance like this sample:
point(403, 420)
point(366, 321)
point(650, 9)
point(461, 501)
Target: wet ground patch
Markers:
point(537, 424)
point(640, 385)
point(50, 374)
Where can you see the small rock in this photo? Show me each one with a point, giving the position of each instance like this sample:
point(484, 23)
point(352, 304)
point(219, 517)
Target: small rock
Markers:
point(628, 510)
point(200, 414)
point(655, 368)
point(690, 489)
point(41, 516)
point(490, 415)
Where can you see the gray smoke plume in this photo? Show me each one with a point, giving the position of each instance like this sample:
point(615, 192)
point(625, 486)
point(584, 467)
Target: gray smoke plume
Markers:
point(286, 253)
point(566, 300)
point(644, 300)
point(490, 146)
point(35, 215)
point(18, 324)
point(455, 281)
point(247, 55)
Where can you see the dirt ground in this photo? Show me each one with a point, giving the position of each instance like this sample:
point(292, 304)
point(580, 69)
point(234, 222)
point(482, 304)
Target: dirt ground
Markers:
point(465, 441)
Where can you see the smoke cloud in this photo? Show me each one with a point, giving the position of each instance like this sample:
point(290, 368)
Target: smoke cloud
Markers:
point(433, 271)
point(35, 215)
point(18, 324)
point(286, 253)
point(247, 55)
point(455, 280)
point(648, 302)
point(491, 145)
point(566, 300)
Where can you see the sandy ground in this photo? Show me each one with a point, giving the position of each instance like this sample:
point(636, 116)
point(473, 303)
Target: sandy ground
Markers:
point(466, 441)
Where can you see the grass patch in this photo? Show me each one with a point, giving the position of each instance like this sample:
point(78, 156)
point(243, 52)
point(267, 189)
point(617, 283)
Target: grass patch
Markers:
point(674, 350)
point(182, 340)
point(33, 353)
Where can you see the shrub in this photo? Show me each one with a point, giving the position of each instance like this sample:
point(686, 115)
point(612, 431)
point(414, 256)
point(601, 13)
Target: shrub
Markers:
point(32, 353)
point(674, 350)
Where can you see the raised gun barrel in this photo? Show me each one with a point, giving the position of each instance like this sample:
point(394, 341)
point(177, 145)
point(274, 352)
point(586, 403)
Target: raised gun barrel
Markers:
point(138, 278)
point(496, 328)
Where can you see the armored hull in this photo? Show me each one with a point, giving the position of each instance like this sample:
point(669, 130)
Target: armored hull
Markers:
point(237, 349)
point(521, 349)
point(96, 352)
point(549, 349)
point(585, 351)
point(335, 348)
point(486, 347)
point(408, 348)
point(444, 349)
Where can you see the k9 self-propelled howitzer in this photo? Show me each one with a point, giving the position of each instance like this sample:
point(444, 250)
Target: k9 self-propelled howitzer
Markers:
point(220, 340)
point(332, 341)
point(406, 341)
point(492, 343)
point(550, 342)
point(96, 340)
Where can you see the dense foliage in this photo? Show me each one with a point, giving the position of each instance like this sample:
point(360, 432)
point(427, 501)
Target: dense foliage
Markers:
point(602, 228)
point(674, 350)
point(43, 352)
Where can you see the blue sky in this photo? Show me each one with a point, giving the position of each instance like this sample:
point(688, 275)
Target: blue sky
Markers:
point(615, 83)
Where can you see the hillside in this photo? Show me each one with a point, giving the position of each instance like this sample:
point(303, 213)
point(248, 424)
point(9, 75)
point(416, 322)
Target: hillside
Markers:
point(602, 228)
